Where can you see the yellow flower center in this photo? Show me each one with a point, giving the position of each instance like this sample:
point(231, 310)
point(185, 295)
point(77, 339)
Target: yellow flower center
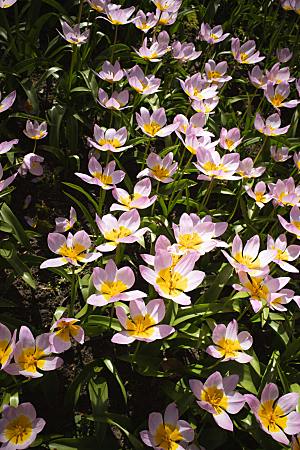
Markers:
point(126, 201)
point(277, 100)
point(160, 172)
point(282, 255)
point(247, 261)
point(141, 326)
point(151, 128)
point(38, 135)
point(215, 397)
point(171, 282)
point(115, 234)
point(213, 74)
point(190, 241)
point(111, 288)
point(296, 224)
point(244, 57)
point(104, 179)
point(257, 289)
point(214, 36)
point(114, 142)
point(167, 436)
point(30, 359)
point(259, 197)
point(229, 347)
point(272, 418)
point(229, 143)
point(72, 252)
point(19, 430)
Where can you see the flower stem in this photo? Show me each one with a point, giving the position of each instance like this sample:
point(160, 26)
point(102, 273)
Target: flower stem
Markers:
point(73, 293)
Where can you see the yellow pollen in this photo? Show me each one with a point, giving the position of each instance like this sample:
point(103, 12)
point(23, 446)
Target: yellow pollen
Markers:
point(166, 436)
point(229, 347)
point(247, 261)
point(277, 100)
point(140, 326)
point(244, 57)
point(259, 197)
point(114, 142)
point(126, 201)
point(229, 143)
point(214, 36)
point(171, 282)
point(257, 289)
point(104, 179)
point(271, 417)
point(190, 241)
point(215, 397)
point(31, 359)
point(73, 252)
point(296, 224)
point(160, 172)
point(213, 74)
point(152, 128)
point(119, 233)
point(19, 430)
point(111, 288)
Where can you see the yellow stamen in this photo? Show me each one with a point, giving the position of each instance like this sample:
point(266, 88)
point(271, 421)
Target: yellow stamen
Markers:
point(140, 326)
point(152, 128)
point(166, 436)
point(171, 282)
point(111, 288)
point(229, 347)
point(18, 431)
point(271, 417)
point(160, 172)
point(215, 397)
point(119, 233)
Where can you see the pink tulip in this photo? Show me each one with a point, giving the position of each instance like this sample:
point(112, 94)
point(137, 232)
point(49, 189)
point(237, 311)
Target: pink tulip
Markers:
point(112, 285)
point(98, 5)
point(193, 126)
point(229, 344)
point(211, 165)
point(19, 426)
point(245, 54)
point(117, 101)
point(167, 5)
point(296, 159)
point(284, 192)
point(6, 146)
point(73, 35)
point(184, 52)
point(118, 16)
point(284, 54)
point(205, 106)
point(8, 101)
point(7, 345)
point(258, 78)
point(35, 131)
point(248, 259)
point(161, 169)
point(216, 73)
point(166, 17)
point(66, 328)
point(217, 397)
point(138, 200)
point(284, 252)
point(277, 96)
point(154, 124)
point(276, 416)
point(63, 224)
point(32, 355)
point(5, 183)
point(278, 75)
point(106, 178)
point(197, 88)
point(145, 22)
point(110, 139)
point(111, 72)
point(294, 225)
point(279, 154)
point(259, 194)
point(246, 169)
point(32, 164)
point(72, 250)
point(167, 432)
point(124, 230)
point(144, 85)
point(230, 139)
point(158, 48)
point(212, 35)
point(143, 322)
point(270, 127)
point(172, 281)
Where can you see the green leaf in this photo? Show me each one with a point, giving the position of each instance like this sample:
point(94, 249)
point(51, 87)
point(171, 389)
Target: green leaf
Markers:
point(8, 216)
point(112, 368)
point(9, 253)
point(82, 191)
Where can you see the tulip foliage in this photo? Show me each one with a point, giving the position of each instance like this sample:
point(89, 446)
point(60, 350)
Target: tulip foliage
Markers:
point(150, 225)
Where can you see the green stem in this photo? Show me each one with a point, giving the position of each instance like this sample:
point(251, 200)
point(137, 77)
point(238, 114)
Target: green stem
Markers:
point(114, 43)
point(102, 195)
point(119, 253)
point(236, 203)
point(207, 194)
point(264, 144)
point(34, 146)
point(145, 153)
point(73, 293)
point(156, 193)
point(80, 11)
point(73, 62)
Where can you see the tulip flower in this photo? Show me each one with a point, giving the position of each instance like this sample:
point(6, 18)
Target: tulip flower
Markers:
point(212, 35)
point(167, 5)
point(270, 127)
point(294, 225)
point(35, 131)
point(63, 224)
point(166, 17)
point(278, 75)
point(276, 96)
point(161, 169)
point(118, 16)
point(259, 194)
point(230, 139)
point(106, 178)
point(32, 355)
point(249, 259)
point(154, 124)
point(8, 101)
point(265, 291)
point(158, 48)
point(124, 230)
point(194, 235)
point(284, 252)
point(276, 416)
point(171, 281)
point(109, 140)
point(138, 200)
point(184, 52)
point(73, 35)
point(197, 88)
point(279, 154)
point(145, 22)
point(144, 85)
point(167, 432)
point(111, 72)
point(212, 165)
point(7, 345)
point(143, 322)
point(111, 284)
point(284, 54)
point(217, 396)
point(62, 331)
point(19, 426)
point(5, 183)
point(284, 192)
point(245, 54)
point(229, 344)
point(6, 146)
point(216, 73)
point(32, 164)
point(163, 244)
point(117, 101)
point(72, 250)
point(98, 5)
point(205, 106)
point(258, 78)
point(193, 126)
point(288, 5)
point(246, 169)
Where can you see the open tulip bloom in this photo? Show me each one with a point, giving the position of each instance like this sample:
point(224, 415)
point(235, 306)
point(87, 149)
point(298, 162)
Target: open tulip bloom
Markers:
point(6, 146)
point(276, 416)
point(247, 170)
point(19, 426)
point(270, 127)
point(184, 51)
point(106, 178)
point(196, 88)
point(32, 163)
point(138, 200)
point(245, 54)
point(249, 259)
point(145, 21)
point(205, 106)
point(154, 124)
point(259, 194)
point(98, 5)
point(229, 344)
point(8, 101)
point(167, 432)
point(166, 17)
point(5, 183)
point(285, 193)
point(193, 126)
point(118, 16)
point(212, 35)
point(112, 285)
point(72, 250)
point(172, 281)
point(63, 224)
point(32, 355)
point(117, 101)
point(217, 396)
point(62, 331)
point(111, 73)
point(276, 96)
point(212, 165)
point(7, 345)
point(124, 230)
point(216, 73)
point(73, 35)
point(167, 5)
point(284, 253)
point(294, 225)
point(143, 322)
point(230, 139)
point(35, 131)
point(109, 139)
point(280, 154)
point(142, 84)
point(158, 48)
point(161, 169)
